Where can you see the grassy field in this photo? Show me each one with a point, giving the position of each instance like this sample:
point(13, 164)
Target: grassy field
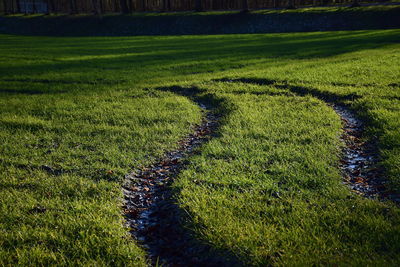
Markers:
point(77, 114)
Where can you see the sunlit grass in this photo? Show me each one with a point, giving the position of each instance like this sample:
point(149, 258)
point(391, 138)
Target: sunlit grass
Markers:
point(79, 113)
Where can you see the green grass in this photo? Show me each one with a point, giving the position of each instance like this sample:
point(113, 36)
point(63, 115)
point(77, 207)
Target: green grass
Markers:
point(79, 113)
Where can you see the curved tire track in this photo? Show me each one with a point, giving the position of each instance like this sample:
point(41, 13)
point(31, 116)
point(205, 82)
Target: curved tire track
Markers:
point(151, 212)
point(360, 161)
point(159, 224)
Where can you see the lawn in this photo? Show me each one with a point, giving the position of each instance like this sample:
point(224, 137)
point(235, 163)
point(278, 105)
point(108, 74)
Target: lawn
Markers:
point(77, 114)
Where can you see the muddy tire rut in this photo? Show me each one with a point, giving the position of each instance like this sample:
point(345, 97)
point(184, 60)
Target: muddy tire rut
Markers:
point(359, 163)
point(155, 219)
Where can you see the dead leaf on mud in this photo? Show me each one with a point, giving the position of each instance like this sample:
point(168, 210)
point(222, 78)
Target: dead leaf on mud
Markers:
point(359, 180)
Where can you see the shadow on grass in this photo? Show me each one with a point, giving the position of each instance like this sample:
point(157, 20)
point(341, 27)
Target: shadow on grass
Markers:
point(217, 104)
point(23, 91)
point(299, 90)
point(58, 81)
point(93, 63)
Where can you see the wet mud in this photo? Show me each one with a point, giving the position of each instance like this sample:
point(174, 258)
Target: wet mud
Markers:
point(359, 163)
